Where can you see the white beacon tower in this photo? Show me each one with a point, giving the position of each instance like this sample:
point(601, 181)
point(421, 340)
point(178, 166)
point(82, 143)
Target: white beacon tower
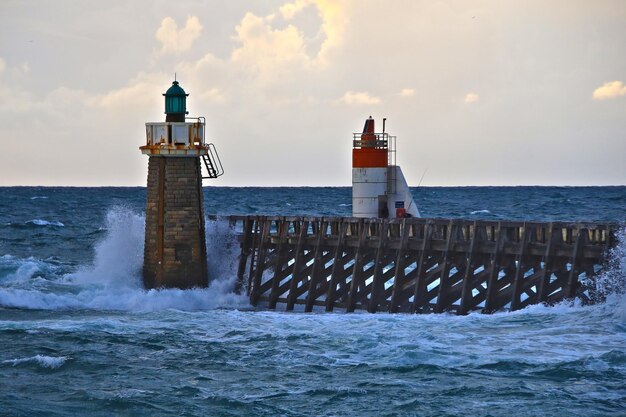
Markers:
point(378, 185)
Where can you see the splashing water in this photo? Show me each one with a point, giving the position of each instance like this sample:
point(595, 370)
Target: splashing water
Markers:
point(612, 281)
point(119, 256)
point(40, 222)
point(113, 281)
point(222, 255)
point(41, 360)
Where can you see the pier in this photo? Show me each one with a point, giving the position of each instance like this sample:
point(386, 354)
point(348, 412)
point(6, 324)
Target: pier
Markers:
point(415, 265)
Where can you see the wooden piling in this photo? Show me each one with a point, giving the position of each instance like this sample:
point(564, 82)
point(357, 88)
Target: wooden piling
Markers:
point(416, 265)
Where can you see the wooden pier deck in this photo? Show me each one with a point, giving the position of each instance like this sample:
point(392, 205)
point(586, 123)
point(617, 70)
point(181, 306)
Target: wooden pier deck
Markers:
point(416, 265)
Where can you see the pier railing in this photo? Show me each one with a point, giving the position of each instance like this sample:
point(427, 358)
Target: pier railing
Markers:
point(417, 265)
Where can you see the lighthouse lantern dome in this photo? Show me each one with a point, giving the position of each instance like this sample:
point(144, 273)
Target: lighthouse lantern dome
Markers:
point(175, 100)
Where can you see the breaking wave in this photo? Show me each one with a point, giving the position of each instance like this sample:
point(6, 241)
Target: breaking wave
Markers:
point(40, 222)
point(34, 223)
point(612, 281)
point(113, 280)
point(51, 362)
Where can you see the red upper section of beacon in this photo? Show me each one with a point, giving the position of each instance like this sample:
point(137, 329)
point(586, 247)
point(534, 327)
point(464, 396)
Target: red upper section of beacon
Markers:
point(370, 151)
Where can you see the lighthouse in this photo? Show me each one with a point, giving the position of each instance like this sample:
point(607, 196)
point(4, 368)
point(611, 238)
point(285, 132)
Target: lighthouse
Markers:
point(175, 243)
point(379, 188)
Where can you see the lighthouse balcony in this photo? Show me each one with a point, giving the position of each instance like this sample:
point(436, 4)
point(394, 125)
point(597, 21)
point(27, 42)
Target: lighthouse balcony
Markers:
point(175, 139)
point(372, 140)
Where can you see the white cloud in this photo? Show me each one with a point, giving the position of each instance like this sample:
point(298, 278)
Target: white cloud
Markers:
point(289, 10)
point(19, 70)
point(609, 90)
point(22, 69)
point(53, 104)
point(334, 15)
point(63, 96)
point(471, 98)
point(139, 92)
point(407, 92)
point(174, 40)
point(358, 98)
point(214, 95)
point(274, 59)
point(269, 52)
point(274, 51)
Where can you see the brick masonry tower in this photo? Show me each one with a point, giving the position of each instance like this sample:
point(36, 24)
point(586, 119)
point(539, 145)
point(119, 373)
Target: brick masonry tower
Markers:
point(175, 243)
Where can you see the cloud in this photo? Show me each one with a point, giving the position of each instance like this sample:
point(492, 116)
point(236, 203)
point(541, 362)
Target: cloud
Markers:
point(174, 40)
point(358, 98)
point(335, 20)
point(609, 90)
point(213, 95)
point(139, 92)
point(53, 104)
point(22, 69)
point(268, 51)
point(275, 51)
point(274, 58)
point(63, 96)
point(271, 54)
point(289, 10)
point(407, 92)
point(471, 98)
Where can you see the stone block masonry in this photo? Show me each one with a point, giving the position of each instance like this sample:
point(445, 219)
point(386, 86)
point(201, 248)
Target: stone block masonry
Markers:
point(175, 244)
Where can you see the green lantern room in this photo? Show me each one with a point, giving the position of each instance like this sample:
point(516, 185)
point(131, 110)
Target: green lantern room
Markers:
point(175, 103)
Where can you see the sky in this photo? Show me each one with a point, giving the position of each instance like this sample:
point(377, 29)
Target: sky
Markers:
point(486, 92)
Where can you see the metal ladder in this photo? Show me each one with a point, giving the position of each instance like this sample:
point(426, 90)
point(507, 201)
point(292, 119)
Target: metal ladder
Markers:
point(391, 165)
point(212, 163)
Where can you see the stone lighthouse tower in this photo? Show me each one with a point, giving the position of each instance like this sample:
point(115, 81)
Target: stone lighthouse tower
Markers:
point(175, 245)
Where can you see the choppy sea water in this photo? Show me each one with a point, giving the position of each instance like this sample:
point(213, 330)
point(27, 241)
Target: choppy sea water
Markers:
point(79, 336)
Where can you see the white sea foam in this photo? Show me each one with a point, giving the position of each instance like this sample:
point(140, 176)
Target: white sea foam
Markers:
point(119, 256)
point(559, 334)
point(480, 212)
point(113, 281)
point(613, 278)
point(40, 222)
point(620, 312)
point(25, 271)
point(51, 362)
point(222, 254)
point(22, 272)
point(37, 197)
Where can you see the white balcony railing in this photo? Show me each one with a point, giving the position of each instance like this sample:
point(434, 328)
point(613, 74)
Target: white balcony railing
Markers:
point(175, 133)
